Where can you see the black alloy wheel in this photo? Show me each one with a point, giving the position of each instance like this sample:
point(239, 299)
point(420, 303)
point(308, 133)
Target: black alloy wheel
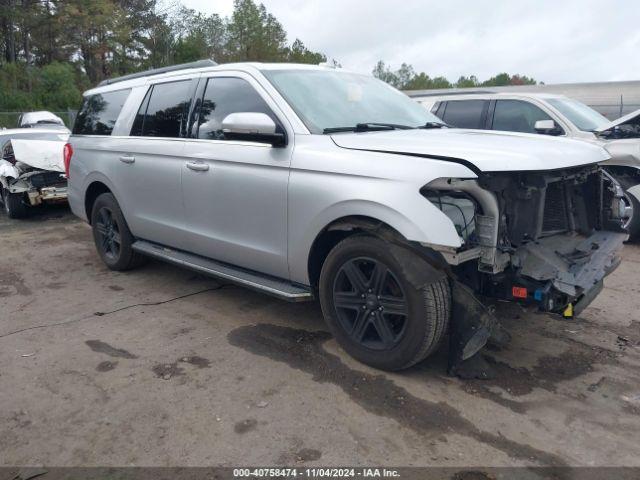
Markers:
point(108, 234)
point(370, 303)
point(112, 236)
point(378, 305)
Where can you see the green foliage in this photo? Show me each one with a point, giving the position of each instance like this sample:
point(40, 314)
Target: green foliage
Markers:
point(52, 87)
point(405, 78)
point(14, 88)
point(57, 89)
point(254, 34)
point(504, 79)
point(467, 82)
point(298, 53)
point(52, 50)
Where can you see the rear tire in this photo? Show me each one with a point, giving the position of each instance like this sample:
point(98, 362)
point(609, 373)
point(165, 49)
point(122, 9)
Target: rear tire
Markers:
point(14, 204)
point(374, 311)
point(112, 236)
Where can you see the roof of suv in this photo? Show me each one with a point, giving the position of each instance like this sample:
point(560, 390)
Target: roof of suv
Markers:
point(141, 79)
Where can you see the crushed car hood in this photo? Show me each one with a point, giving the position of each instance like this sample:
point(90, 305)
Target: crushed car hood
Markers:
point(41, 154)
point(631, 119)
point(479, 149)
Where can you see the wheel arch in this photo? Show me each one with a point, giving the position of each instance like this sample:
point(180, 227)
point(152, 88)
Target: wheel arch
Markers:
point(307, 235)
point(338, 230)
point(93, 191)
point(628, 176)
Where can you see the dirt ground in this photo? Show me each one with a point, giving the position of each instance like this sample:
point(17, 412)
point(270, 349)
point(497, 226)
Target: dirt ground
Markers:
point(162, 367)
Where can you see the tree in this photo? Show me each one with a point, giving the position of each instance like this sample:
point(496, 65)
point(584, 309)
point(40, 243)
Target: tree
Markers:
point(504, 79)
point(467, 82)
point(384, 73)
point(298, 53)
point(253, 34)
point(57, 88)
point(93, 27)
point(406, 78)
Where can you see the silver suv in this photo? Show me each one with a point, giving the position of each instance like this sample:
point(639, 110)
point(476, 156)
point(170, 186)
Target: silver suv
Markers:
point(310, 182)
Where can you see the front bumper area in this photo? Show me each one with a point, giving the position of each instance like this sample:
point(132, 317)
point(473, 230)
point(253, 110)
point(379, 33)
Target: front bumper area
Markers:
point(567, 269)
point(47, 195)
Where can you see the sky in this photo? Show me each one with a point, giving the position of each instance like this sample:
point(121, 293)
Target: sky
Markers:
point(553, 41)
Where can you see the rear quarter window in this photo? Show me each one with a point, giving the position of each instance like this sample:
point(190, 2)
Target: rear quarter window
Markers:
point(99, 113)
point(164, 110)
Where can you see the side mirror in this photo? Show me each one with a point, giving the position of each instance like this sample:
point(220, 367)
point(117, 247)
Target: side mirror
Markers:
point(547, 127)
point(252, 127)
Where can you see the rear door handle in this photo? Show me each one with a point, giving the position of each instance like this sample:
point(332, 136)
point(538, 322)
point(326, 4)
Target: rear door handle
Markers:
point(198, 166)
point(127, 159)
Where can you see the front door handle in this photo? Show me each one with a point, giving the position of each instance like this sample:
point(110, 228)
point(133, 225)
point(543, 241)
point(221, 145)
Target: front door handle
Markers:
point(127, 159)
point(198, 166)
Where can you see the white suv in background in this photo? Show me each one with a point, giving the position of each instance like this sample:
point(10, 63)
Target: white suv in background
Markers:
point(555, 115)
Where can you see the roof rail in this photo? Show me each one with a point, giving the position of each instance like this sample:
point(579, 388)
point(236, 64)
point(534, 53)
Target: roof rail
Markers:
point(431, 93)
point(158, 71)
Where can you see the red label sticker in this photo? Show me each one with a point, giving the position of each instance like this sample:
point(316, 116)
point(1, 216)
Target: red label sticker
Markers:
point(519, 292)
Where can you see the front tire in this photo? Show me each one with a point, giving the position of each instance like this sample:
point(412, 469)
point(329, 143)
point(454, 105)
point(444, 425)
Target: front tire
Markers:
point(632, 225)
point(374, 310)
point(14, 205)
point(112, 236)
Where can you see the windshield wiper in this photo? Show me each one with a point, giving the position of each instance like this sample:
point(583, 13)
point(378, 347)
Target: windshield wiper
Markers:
point(367, 127)
point(429, 125)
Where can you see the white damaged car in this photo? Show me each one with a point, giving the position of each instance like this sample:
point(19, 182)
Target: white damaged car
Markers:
point(32, 169)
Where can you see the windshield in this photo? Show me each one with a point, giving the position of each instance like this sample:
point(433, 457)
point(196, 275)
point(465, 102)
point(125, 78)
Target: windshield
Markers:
point(582, 116)
point(331, 99)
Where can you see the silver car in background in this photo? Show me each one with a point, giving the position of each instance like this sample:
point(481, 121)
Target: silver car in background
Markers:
point(310, 182)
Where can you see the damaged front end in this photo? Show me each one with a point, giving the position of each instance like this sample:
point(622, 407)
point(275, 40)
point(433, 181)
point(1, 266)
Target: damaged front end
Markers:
point(546, 238)
point(31, 174)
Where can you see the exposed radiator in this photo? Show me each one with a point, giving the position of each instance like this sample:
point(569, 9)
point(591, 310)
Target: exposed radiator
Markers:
point(555, 217)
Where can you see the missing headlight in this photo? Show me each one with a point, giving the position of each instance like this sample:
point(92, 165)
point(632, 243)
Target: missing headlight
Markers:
point(460, 208)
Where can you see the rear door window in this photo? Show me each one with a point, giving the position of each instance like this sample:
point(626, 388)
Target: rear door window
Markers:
point(164, 110)
point(517, 116)
point(226, 95)
point(99, 113)
point(465, 113)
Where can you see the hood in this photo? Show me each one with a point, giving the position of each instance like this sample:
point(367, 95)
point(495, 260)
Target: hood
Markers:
point(480, 150)
point(41, 154)
point(627, 126)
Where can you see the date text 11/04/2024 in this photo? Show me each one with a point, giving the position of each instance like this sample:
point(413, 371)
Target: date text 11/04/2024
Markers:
point(315, 473)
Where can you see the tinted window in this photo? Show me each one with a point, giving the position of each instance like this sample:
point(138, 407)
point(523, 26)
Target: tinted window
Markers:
point(164, 110)
point(99, 113)
point(517, 116)
point(465, 113)
point(136, 130)
point(223, 96)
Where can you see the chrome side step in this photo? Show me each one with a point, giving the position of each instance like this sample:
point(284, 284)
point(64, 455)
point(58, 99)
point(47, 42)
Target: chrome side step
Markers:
point(256, 281)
